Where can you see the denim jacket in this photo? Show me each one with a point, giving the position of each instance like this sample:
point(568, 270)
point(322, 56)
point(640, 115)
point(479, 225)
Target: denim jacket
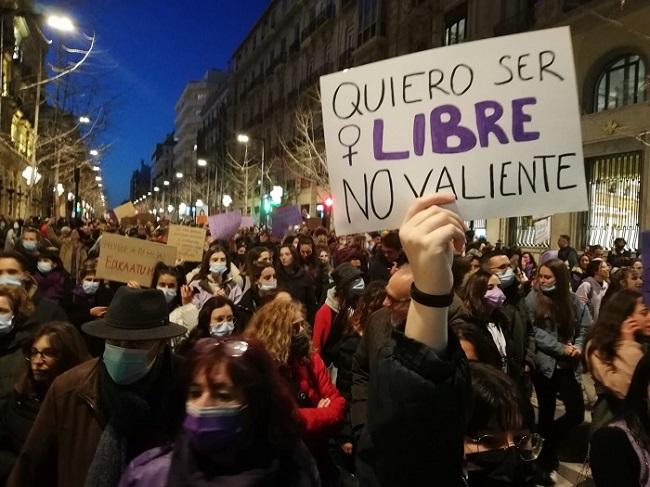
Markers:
point(549, 348)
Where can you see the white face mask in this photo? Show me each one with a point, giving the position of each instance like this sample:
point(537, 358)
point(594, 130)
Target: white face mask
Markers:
point(44, 267)
point(268, 286)
point(6, 323)
point(169, 293)
point(225, 328)
point(218, 268)
point(90, 287)
point(7, 280)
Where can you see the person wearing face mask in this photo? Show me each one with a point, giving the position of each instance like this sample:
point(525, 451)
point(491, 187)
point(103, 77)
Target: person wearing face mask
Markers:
point(280, 326)
point(620, 452)
point(178, 295)
point(241, 426)
point(100, 415)
point(561, 322)
point(54, 348)
point(53, 281)
point(219, 318)
point(16, 330)
point(214, 278)
point(593, 288)
point(293, 277)
point(264, 282)
point(614, 348)
point(90, 300)
point(28, 246)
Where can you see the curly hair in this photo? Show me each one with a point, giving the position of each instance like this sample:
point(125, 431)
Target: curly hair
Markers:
point(20, 303)
point(272, 325)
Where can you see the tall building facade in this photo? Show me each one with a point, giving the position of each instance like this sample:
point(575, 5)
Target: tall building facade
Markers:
point(140, 182)
point(276, 67)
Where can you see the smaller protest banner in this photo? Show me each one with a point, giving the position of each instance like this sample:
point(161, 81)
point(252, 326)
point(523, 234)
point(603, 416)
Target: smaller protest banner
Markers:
point(543, 231)
point(224, 225)
point(188, 242)
point(283, 217)
point(202, 216)
point(645, 255)
point(124, 259)
point(125, 210)
point(314, 223)
point(247, 222)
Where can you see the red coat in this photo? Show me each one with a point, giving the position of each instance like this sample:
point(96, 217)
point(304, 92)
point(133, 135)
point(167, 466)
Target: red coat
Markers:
point(322, 327)
point(312, 378)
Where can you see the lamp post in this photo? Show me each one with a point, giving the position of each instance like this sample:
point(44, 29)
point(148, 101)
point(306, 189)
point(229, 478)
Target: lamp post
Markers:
point(244, 139)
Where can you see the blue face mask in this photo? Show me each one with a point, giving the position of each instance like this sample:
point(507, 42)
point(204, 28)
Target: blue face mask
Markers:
point(29, 245)
point(126, 365)
point(225, 328)
point(212, 428)
point(548, 289)
point(90, 287)
point(7, 280)
point(44, 267)
point(507, 278)
point(169, 293)
point(217, 268)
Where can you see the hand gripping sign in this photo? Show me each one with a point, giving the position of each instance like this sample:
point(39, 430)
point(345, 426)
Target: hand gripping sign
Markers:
point(495, 121)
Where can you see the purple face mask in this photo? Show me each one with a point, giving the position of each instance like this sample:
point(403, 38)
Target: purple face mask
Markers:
point(212, 428)
point(494, 298)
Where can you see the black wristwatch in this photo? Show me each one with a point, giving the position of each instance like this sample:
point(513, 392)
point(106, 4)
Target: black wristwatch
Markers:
point(431, 300)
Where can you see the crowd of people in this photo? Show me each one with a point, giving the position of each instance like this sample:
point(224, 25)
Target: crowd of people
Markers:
point(416, 357)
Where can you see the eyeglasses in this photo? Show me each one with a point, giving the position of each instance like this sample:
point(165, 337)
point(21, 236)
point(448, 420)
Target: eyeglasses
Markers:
point(46, 354)
point(529, 446)
point(232, 347)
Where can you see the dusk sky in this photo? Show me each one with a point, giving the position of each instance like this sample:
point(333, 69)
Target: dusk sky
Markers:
point(148, 50)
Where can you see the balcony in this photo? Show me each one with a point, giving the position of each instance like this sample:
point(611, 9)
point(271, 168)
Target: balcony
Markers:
point(345, 58)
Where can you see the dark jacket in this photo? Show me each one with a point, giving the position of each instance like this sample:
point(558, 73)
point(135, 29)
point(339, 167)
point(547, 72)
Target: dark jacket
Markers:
point(416, 413)
point(62, 444)
point(17, 414)
point(79, 313)
point(12, 357)
point(619, 259)
point(568, 254)
point(301, 287)
point(55, 285)
point(379, 269)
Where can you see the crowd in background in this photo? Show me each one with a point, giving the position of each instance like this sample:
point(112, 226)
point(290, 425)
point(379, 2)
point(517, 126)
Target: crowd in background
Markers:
point(291, 362)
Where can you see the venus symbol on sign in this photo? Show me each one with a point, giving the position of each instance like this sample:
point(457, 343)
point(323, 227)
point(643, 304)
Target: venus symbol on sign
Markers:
point(351, 144)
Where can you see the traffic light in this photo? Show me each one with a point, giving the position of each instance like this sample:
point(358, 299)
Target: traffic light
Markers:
point(329, 202)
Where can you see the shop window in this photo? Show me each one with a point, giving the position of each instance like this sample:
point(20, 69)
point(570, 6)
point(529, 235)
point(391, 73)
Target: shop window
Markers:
point(621, 83)
point(613, 190)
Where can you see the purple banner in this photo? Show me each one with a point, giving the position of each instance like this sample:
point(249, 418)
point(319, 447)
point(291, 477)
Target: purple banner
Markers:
point(645, 256)
point(247, 222)
point(224, 225)
point(284, 217)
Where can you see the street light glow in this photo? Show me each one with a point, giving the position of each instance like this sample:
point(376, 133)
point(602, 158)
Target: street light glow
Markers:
point(156, 189)
point(94, 152)
point(95, 168)
point(202, 162)
point(165, 183)
point(98, 178)
point(179, 175)
point(243, 139)
point(84, 120)
point(60, 22)
point(100, 185)
point(226, 200)
point(148, 193)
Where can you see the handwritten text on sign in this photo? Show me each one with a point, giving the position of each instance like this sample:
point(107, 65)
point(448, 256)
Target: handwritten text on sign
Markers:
point(496, 122)
point(188, 241)
point(124, 259)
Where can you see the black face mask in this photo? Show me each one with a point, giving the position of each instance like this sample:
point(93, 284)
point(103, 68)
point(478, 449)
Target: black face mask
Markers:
point(299, 345)
point(490, 467)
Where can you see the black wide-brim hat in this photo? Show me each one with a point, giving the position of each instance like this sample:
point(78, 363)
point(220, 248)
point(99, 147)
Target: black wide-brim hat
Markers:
point(135, 314)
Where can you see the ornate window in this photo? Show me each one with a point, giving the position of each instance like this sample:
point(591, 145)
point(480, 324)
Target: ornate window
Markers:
point(622, 82)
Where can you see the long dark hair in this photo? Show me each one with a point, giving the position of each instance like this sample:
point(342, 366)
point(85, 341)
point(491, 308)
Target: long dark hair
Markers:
point(473, 292)
point(295, 265)
point(616, 282)
point(271, 413)
point(202, 329)
point(204, 270)
point(606, 332)
point(68, 346)
point(558, 307)
point(370, 301)
point(163, 269)
point(636, 407)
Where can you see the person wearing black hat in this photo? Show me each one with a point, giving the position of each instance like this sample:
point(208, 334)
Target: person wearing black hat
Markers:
point(101, 414)
point(348, 286)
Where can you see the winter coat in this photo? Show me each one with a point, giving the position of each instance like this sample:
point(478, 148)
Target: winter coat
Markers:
point(549, 348)
point(151, 469)
point(323, 320)
point(416, 413)
point(17, 415)
point(301, 287)
point(79, 313)
point(73, 255)
point(70, 423)
point(54, 285)
point(591, 292)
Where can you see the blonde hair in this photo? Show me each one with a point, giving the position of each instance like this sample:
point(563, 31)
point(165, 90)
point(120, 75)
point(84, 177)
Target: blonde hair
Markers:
point(272, 325)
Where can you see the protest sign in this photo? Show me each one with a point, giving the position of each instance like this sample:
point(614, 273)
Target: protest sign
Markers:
point(543, 231)
point(645, 256)
point(125, 210)
point(495, 121)
point(124, 259)
point(188, 242)
point(202, 216)
point(224, 225)
point(314, 222)
point(283, 217)
point(247, 222)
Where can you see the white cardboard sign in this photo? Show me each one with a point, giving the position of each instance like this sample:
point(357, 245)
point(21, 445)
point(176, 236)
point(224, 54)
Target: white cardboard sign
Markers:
point(542, 231)
point(496, 122)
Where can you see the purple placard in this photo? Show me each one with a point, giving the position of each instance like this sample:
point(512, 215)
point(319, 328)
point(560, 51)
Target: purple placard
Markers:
point(247, 222)
point(224, 225)
point(284, 217)
point(645, 258)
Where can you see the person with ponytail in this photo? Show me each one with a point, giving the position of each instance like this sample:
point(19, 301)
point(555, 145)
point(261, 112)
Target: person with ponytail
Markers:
point(561, 322)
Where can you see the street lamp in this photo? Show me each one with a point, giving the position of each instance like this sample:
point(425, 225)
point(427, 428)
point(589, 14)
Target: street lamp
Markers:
point(84, 120)
point(98, 178)
point(165, 183)
point(202, 162)
point(95, 168)
point(94, 152)
point(244, 139)
point(179, 175)
point(156, 189)
point(60, 22)
point(226, 200)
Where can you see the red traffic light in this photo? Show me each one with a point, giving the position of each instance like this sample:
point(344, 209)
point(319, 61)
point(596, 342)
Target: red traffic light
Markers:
point(329, 202)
